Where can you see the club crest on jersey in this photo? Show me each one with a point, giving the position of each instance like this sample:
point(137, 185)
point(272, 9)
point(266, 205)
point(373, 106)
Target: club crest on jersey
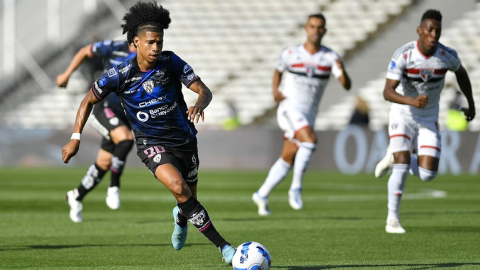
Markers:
point(426, 74)
point(310, 70)
point(148, 86)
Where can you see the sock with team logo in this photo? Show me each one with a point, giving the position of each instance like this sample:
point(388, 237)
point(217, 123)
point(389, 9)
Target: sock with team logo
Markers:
point(194, 211)
point(396, 185)
point(90, 180)
point(302, 159)
point(118, 161)
point(276, 175)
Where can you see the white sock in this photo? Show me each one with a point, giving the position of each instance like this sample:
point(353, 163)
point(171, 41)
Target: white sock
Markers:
point(414, 165)
point(276, 174)
point(302, 159)
point(396, 185)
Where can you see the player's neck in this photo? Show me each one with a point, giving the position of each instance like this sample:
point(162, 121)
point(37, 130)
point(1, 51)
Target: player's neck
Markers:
point(312, 47)
point(425, 51)
point(143, 65)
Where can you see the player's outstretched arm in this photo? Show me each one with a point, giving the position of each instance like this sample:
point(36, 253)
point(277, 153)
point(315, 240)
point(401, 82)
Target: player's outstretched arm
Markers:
point(466, 88)
point(71, 148)
point(82, 54)
point(391, 95)
point(204, 97)
point(344, 79)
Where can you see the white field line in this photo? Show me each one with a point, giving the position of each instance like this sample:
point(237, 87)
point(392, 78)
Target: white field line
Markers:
point(422, 194)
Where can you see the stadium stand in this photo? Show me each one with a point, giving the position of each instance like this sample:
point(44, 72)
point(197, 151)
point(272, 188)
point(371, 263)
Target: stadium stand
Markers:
point(233, 46)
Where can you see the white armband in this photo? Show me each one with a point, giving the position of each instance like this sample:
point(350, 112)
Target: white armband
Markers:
point(75, 136)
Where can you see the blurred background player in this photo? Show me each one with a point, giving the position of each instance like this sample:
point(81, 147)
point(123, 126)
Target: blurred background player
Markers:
point(308, 67)
point(415, 79)
point(150, 88)
point(110, 121)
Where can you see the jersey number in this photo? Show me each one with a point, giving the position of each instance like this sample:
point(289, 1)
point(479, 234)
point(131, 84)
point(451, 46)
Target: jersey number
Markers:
point(152, 151)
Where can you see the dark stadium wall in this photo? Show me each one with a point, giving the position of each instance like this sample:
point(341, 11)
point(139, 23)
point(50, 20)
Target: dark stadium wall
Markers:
point(349, 151)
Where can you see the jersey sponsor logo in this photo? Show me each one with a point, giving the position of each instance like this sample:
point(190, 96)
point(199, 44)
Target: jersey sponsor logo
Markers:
point(125, 69)
point(111, 72)
point(187, 68)
point(142, 116)
point(148, 86)
point(152, 101)
point(133, 79)
point(162, 110)
point(131, 91)
point(426, 74)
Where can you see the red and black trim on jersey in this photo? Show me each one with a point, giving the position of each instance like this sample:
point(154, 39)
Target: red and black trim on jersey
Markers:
point(305, 70)
point(424, 75)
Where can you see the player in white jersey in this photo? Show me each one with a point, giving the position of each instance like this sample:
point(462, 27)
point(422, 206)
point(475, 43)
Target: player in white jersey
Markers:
point(415, 79)
point(307, 68)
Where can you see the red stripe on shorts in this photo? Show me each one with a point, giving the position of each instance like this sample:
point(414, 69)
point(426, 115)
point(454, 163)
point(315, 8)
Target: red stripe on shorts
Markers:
point(434, 147)
point(400, 135)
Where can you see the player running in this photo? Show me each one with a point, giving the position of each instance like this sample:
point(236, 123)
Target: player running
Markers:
point(415, 78)
point(307, 68)
point(110, 121)
point(149, 87)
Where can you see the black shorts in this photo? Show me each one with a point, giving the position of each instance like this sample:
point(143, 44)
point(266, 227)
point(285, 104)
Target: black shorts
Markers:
point(104, 120)
point(184, 158)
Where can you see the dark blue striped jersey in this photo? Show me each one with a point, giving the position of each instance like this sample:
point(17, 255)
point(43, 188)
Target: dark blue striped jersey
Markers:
point(153, 100)
point(113, 53)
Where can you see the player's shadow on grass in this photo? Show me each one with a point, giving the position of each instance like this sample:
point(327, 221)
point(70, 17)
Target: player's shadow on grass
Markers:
point(54, 247)
point(269, 218)
point(414, 266)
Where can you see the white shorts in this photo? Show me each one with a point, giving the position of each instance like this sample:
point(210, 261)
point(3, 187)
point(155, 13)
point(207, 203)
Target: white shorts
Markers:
point(404, 129)
point(291, 121)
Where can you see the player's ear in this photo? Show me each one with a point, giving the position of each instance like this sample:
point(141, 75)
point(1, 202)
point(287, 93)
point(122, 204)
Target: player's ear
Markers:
point(135, 41)
point(419, 30)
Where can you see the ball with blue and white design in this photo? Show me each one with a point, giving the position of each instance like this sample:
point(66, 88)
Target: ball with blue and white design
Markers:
point(251, 256)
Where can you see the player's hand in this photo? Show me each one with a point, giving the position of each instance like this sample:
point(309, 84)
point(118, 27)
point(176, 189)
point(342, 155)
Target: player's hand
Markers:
point(469, 113)
point(62, 80)
point(420, 102)
point(339, 64)
point(194, 113)
point(70, 150)
point(278, 96)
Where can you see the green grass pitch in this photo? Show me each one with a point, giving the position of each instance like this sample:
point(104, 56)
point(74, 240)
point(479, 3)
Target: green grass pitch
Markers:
point(342, 225)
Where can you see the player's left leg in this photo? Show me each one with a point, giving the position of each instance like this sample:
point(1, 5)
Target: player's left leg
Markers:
point(306, 146)
point(425, 166)
point(277, 173)
point(123, 141)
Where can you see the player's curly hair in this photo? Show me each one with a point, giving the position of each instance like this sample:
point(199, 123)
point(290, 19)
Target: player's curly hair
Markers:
point(145, 16)
point(432, 14)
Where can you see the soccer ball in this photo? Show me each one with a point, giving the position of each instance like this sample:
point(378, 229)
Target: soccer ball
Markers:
point(251, 256)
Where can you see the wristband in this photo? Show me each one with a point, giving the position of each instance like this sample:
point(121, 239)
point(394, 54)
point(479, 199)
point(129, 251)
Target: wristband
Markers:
point(75, 136)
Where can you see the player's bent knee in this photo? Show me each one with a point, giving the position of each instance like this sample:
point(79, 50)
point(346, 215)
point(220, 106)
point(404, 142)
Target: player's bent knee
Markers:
point(309, 145)
point(426, 175)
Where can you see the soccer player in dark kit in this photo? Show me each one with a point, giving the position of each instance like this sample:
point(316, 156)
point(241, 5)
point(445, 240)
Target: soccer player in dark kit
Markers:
point(149, 87)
